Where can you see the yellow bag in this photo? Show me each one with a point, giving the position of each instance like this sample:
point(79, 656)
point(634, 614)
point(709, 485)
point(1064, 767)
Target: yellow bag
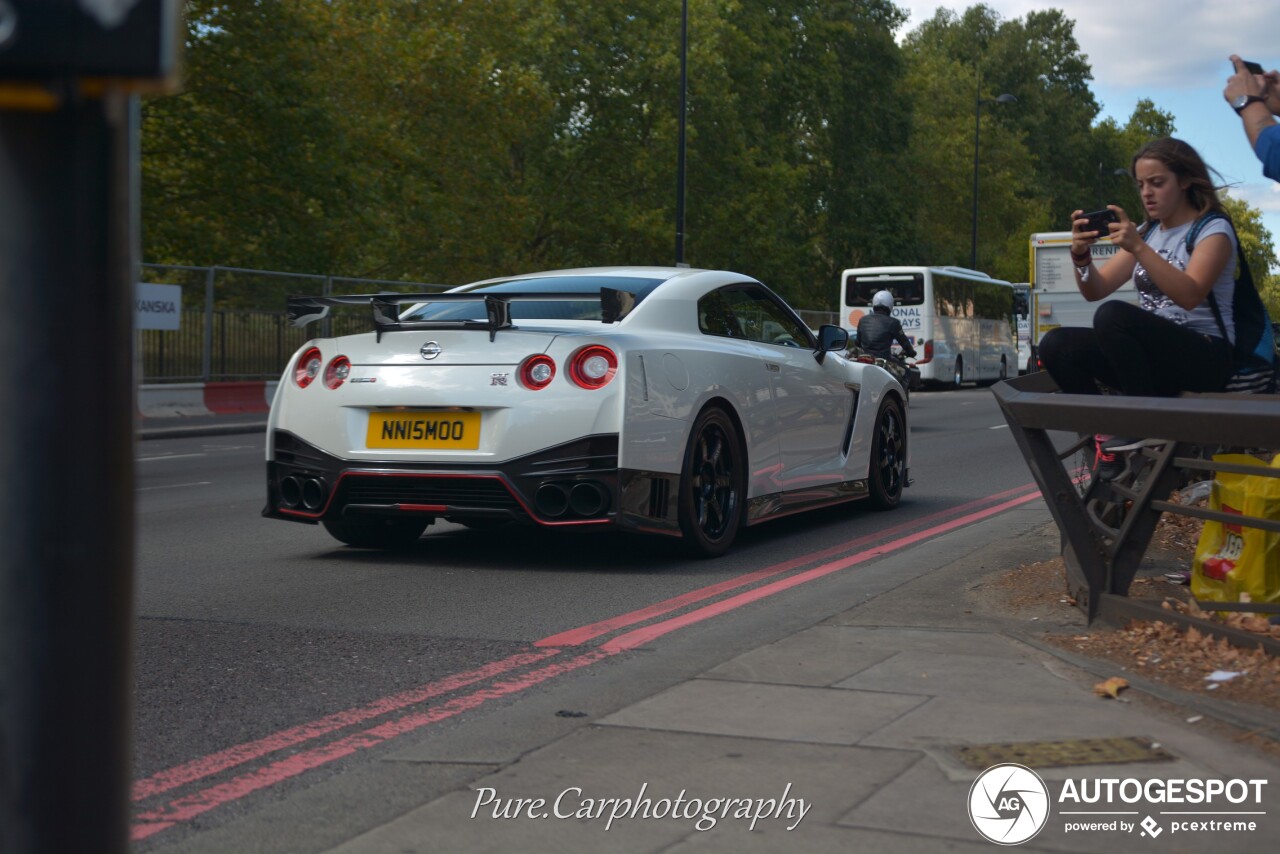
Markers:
point(1235, 559)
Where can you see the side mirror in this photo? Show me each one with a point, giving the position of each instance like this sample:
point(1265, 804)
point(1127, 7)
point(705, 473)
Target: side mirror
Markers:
point(831, 337)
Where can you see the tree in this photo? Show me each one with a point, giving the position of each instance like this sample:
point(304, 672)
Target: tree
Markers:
point(1258, 247)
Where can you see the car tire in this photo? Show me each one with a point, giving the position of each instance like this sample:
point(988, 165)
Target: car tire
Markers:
point(376, 532)
point(712, 485)
point(957, 379)
point(888, 471)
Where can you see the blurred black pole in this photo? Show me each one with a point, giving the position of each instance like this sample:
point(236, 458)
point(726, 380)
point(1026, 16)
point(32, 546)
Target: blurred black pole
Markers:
point(68, 237)
point(684, 98)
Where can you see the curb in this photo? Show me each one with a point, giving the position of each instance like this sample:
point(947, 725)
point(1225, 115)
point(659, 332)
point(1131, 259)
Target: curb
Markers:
point(198, 430)
point(1254, 721)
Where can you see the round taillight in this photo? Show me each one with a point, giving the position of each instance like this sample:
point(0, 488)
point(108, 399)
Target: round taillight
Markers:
point(337, 372)
point(307, 368)
point(593, 366)
point(537, 372)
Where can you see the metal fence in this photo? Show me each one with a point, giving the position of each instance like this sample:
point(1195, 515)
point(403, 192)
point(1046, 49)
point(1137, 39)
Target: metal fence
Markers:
point(233, 325)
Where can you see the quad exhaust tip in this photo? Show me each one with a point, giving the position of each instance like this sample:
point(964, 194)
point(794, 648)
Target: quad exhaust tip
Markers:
point(584, 499)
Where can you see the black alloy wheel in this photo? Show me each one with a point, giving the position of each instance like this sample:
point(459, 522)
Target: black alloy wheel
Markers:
point(888, 456)
point(712, 485)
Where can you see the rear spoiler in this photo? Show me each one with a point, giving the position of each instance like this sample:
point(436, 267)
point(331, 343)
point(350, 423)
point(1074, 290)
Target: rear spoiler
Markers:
point(614, 305)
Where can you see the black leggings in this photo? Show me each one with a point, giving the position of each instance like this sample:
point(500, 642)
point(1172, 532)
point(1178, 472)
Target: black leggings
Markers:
point(1137, 353)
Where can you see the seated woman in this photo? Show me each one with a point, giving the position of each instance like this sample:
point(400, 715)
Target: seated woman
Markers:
point(1173, 341)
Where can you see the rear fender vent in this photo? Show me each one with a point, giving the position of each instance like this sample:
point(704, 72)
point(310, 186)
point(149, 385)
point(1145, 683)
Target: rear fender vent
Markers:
point(659, 497)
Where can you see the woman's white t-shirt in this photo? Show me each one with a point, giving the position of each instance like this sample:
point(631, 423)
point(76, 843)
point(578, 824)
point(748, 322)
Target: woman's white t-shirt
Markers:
point(1172, 246)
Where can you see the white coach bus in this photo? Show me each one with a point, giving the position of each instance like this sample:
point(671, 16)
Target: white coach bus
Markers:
point(960, 322)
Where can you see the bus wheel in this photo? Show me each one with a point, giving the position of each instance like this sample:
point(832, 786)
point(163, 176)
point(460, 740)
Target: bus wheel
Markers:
point(958, 379)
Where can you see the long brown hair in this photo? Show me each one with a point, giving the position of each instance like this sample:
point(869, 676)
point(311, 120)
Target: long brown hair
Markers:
point(1186, 164)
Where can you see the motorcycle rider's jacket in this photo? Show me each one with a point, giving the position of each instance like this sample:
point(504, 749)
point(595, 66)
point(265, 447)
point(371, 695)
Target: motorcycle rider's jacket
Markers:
point(876, 333)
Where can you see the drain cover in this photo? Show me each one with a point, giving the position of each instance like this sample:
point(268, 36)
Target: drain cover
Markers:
point(1080, 751)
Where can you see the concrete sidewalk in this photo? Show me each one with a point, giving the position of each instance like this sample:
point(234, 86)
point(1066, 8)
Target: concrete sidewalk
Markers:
point(864, 717)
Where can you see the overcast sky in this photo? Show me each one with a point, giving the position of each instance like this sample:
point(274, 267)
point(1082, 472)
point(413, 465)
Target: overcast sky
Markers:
point(1175, 53)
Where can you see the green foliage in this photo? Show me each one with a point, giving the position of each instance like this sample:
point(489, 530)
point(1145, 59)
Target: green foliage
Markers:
point(447, 141)
point(1259, 250)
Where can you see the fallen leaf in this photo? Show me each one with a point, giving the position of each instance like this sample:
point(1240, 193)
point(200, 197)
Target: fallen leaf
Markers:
point(1111, 688)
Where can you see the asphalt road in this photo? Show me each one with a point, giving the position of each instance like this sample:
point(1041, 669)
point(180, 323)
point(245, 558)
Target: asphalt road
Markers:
point(249, 628)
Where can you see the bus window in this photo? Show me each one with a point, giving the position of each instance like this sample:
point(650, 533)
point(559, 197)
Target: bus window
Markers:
point(907, 289)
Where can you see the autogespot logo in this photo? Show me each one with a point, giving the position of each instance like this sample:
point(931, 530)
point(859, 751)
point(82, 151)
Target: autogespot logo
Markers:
point(1008, 804)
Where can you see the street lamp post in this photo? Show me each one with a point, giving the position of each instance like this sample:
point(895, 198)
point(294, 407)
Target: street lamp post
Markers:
point(684, 92)
point(1006, 98)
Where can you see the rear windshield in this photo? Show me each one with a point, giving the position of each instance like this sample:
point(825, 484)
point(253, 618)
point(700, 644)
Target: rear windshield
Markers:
point(587, 309)
point(907, 288)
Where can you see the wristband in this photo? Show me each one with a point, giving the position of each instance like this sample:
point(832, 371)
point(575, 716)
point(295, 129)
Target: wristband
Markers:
point(1084, 259)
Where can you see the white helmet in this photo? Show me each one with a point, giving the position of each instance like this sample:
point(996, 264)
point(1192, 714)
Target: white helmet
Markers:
point(882, 299)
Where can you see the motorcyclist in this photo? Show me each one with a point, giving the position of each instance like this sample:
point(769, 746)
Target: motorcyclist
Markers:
point(878, 330)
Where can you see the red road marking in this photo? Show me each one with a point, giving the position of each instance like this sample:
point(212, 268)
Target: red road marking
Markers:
point(582, 634)
point(209, 765)
point(640, 637)
point(188, 807)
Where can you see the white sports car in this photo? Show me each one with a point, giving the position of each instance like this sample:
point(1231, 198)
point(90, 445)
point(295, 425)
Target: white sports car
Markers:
point(663, 400)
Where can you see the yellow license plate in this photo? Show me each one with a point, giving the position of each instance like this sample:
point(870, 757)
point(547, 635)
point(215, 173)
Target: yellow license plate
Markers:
point(425, 430)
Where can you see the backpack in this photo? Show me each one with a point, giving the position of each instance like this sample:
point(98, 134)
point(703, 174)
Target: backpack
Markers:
point(1255, 347)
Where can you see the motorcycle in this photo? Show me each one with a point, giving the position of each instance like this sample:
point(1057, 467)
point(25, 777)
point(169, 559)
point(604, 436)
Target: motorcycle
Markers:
point(905, 372)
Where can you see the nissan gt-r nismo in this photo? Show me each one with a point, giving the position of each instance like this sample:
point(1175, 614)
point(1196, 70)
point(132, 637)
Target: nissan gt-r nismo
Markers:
point(662, 400)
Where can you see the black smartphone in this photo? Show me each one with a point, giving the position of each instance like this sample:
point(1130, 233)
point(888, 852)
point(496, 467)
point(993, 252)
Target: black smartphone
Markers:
point(1098, 221)
point(1252, 67)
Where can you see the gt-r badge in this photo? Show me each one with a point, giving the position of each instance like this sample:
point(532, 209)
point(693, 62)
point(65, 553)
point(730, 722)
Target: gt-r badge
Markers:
point(498, 379)
point(430, 350)
point(364, 379)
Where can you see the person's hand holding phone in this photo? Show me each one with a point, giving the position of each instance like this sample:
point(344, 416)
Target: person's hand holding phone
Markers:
point(1249, 79)
point(1087, 228)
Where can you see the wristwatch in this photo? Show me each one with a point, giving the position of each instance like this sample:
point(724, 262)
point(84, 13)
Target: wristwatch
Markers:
point(1239, 102)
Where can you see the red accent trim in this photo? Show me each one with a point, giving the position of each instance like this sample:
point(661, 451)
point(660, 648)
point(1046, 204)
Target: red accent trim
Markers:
point(221, 398)
point(424, 508)
point(505, 485)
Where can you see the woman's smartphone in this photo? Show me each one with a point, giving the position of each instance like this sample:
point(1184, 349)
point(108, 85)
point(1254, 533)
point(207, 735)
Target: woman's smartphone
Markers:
point(1252, 67)
point(1098, 221)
